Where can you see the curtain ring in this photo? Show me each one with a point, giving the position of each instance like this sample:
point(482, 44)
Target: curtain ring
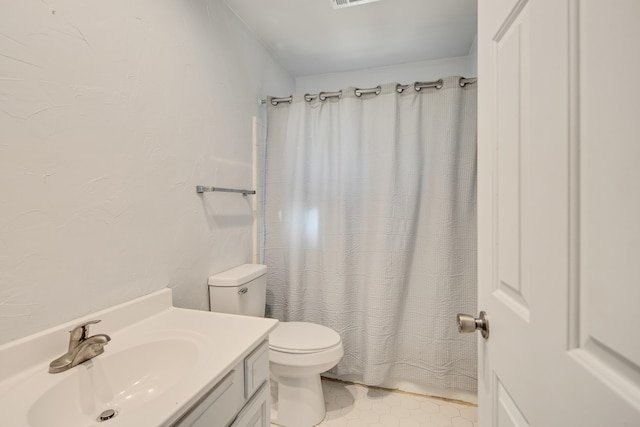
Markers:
point(437, 84)
point(276, 101)
point(324, 95)
point(401, 88)
point(309, 97)
point(464, 81)
point(360, 92)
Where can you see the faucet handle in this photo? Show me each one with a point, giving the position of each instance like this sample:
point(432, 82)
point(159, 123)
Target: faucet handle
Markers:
point(80, 332)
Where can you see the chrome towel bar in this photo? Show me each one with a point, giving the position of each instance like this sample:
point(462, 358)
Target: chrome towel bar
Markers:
point(201, 189)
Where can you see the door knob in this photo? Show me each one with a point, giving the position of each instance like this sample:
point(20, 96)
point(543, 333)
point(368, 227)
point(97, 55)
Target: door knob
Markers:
point(467, 323)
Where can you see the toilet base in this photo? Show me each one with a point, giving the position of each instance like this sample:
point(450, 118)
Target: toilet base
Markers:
point(299, 401)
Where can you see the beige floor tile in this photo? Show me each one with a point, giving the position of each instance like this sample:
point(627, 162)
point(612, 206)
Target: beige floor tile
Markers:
point(351, 405)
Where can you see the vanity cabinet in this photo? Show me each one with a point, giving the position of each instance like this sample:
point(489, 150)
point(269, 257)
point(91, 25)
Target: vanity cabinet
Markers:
point(240, 399)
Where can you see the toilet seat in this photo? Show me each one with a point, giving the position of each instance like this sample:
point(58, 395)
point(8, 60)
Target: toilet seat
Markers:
point(302, 338)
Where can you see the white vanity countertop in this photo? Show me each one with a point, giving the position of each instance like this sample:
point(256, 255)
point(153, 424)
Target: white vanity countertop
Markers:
point(160, 361)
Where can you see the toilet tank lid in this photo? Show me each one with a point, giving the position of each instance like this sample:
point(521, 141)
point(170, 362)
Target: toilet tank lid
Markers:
point(237, 276)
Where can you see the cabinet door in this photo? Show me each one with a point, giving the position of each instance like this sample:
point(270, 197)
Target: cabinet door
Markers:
point(256, 413)
point(219, 406)
point(256, 369)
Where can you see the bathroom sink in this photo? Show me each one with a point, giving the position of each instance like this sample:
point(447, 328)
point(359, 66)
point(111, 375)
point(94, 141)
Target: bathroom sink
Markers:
point(161, 361)
point(122, 381)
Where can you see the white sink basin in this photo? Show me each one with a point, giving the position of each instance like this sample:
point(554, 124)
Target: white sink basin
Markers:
point(121, 381)
point(161, 361)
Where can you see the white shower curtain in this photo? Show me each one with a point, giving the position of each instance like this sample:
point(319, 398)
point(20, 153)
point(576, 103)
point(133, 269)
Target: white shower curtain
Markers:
point(370, 228)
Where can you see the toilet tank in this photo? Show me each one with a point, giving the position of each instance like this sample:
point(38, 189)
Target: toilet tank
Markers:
point(240, 290)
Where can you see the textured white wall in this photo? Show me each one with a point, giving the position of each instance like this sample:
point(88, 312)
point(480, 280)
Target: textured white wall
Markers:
point(473, 58)
point(110, 114)
point(401, 73)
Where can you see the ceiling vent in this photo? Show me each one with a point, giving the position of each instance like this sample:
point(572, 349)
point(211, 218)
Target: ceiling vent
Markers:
point(339, 4)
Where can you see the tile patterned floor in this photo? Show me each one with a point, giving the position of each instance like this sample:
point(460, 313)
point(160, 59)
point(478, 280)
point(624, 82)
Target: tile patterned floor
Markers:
point(354, 405)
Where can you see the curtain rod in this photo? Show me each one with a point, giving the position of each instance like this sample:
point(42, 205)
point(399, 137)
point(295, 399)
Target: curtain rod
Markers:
point(359, 92)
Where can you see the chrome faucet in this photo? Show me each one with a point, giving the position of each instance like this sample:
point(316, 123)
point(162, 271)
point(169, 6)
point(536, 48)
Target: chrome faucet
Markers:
point(81, 348)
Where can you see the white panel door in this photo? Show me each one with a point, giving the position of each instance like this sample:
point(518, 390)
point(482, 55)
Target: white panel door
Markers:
point(559, 212)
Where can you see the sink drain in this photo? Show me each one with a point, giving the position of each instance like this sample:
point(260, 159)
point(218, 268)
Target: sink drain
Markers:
point(107, 415)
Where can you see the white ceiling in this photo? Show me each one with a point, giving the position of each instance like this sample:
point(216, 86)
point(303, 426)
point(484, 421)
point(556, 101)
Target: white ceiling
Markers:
point(310, 37)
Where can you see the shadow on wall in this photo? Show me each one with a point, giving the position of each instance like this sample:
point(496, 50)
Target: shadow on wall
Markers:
point(227, 210)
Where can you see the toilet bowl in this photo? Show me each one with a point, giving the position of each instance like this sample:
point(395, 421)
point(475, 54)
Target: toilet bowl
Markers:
point(298, 351)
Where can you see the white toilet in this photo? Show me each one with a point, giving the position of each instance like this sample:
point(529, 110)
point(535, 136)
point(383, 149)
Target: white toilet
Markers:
point(298, 351)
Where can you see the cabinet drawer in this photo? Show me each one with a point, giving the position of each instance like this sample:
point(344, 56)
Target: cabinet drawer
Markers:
point(256, 369)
